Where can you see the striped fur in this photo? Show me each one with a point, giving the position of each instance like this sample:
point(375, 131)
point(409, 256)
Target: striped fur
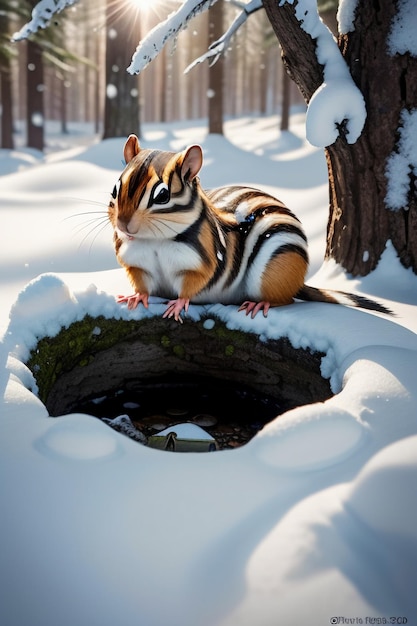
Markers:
point(230, 245)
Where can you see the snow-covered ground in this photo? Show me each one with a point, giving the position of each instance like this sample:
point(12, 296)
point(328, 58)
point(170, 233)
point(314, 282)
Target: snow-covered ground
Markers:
point(313, 522)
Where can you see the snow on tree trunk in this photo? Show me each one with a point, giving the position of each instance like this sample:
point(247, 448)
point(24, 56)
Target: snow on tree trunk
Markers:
point(364, 208)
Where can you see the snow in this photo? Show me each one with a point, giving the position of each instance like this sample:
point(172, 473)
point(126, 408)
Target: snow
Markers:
point(337, 100)
point(337, 103)
point(186, 431)
point(219, 47)
point(42, 14)
point(312, 522)
point(163, 32)
point(402, 37)
point(346, 15)
point(402, 164)
point(330, 105)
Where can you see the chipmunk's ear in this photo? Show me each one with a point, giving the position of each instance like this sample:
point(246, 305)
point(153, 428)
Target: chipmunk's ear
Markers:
point(192, 162)
point(131, 148)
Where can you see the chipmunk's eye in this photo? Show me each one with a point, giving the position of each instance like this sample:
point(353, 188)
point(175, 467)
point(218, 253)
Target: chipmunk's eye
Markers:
point(115, 191)
point(161, 194)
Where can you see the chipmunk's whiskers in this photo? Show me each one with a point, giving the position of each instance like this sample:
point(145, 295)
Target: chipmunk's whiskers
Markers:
point(95, 222)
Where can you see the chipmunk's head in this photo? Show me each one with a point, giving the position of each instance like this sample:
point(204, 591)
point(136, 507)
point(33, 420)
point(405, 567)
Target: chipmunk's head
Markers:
point(155, 195)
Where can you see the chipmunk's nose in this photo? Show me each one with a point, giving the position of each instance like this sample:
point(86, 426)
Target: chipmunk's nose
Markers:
point(122, 225)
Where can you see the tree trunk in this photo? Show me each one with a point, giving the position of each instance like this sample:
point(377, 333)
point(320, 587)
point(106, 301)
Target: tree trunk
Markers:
point(163, 88)
point(97, 85)
point(6, 109)
point(6, 99)
point(360, 169)
point(34, 96)
point(285, 100)
point(215, 74)
point(63, 105)
point(360, 222)
point(121, 115)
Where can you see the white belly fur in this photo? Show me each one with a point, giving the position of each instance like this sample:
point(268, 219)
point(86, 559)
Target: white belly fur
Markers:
point(163, 261)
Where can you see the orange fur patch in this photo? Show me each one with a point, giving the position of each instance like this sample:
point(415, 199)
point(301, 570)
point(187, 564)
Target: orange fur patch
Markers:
point(137, 278)
point(282, 278)
point(195, 280)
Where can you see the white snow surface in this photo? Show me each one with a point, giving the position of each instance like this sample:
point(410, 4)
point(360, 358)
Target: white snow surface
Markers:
point(314, 521)
point(402, 163)
point(402, 38)
point(346, 15)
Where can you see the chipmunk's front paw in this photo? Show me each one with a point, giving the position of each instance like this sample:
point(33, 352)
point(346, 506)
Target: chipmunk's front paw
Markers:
point(254, 307)
point(134, 300)
point(175, 308)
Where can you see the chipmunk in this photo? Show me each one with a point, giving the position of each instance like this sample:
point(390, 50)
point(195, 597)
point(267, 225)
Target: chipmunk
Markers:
point(230, 245)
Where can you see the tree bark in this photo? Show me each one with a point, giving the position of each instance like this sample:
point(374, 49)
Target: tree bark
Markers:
point(298, 48)
point(285, 101)
point(215, 73)
point(121, 115)
point(35, 113)
point(6, 113)
point(360, 223)
point(358, 233)
point(6, 90)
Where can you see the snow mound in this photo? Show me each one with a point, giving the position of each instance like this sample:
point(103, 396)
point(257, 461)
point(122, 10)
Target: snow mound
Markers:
point(317, 438)
point(78, 438)
point(384, 495)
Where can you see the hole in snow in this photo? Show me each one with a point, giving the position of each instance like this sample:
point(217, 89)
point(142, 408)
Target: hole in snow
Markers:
point(213, 387)
point(227, 414)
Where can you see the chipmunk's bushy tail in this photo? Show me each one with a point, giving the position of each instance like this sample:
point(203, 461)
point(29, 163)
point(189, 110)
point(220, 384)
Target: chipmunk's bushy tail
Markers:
point(312, 294)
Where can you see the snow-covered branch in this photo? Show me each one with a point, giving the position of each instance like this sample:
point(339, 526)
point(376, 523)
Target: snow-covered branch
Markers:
point(42, 14)
point(163, 32)
point(337, 106)
point(218, 47)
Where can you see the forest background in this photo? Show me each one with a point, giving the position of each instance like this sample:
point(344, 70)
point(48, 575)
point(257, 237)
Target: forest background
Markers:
point(74, 72)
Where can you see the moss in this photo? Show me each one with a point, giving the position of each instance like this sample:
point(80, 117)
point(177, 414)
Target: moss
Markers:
point(76, 346)
point(135, 350)
point(165, 341)
point(179, 351)
point(236, 337)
